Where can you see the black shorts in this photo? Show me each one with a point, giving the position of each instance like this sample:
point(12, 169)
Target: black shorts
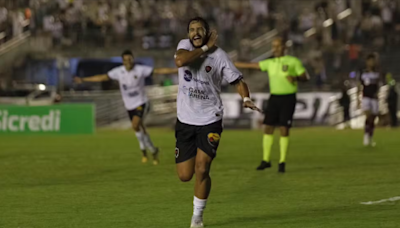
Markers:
point(140, 111)
point(190, 137)
point(280, 110)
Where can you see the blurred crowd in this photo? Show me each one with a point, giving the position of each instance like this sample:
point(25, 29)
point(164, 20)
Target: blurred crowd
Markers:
point(14, 19)
point(150, 23)
point(320, 35)
point(330, 42)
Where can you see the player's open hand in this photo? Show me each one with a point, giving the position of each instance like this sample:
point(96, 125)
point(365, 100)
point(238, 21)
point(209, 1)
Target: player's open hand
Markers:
point(252, 106)
point(292, 79)
point(78, 80)
point(213, 39)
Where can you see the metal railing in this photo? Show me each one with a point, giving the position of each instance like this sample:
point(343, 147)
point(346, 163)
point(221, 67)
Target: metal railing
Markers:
point(4, 44)
point(14, 42)
point(110, 107)
point(259, 46)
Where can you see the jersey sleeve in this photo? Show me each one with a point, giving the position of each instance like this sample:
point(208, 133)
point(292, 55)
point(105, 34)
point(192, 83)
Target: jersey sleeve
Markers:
point(229, 72)
point(113, 74)
point(146, 71)
point(264, 65)
point(298, 67)
point(185, 45)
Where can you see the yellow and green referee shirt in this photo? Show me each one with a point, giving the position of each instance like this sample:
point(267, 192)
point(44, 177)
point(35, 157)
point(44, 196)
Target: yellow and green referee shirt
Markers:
point(278, 69)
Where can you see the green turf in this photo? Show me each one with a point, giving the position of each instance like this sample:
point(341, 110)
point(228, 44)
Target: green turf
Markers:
point(99, 182)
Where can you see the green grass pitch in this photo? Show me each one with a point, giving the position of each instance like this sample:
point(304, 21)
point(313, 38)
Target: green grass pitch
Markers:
point(98, 182)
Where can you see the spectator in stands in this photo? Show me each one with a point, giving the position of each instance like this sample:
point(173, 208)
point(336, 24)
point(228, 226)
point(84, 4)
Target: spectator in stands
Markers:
point(260, 10)
point(387, 14)
point(3, 24)
point(344, 101)
point(225, 23)
point(18, 19)
point(396, 22)
point(366, 27)
point(318, 67)
point(306, 20)
point(120, 27)
point(54, 25)
point(354, 51)
point(72, 25)
point(392, 100)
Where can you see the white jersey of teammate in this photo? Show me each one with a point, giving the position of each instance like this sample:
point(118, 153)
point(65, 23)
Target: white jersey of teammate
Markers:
point(132, 84)
point(199, 102)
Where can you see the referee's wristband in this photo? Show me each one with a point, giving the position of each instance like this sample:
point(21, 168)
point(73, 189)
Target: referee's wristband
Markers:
point(205, 48)
point(246, 99)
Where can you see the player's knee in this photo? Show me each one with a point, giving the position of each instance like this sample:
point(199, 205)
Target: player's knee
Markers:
point(185, 177)
point(136, 127)
point(202, 170)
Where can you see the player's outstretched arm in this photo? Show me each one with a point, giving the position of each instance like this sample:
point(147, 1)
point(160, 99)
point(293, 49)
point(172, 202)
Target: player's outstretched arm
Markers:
point(184, 57)
point(242, 65)
point(243, 90)
point(165, 71)
point(96, 78)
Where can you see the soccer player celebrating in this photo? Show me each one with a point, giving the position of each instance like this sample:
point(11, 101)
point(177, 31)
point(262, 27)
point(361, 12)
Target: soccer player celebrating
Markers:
point(370, 79)
point(131, 78)
point(202, 66)
point(284, 72)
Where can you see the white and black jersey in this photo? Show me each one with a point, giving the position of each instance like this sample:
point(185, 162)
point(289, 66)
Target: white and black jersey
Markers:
point(370, 80)
point(132, 84)
point(199, 102)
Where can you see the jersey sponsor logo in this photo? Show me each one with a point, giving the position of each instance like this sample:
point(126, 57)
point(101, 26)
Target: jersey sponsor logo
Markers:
point(208, 69)
point(188, 76)
point(196, 93)
point(176, 152)
point(370, 78)
point(285, 68)
point(213, 139)
point(201, 82)
point(133, 94)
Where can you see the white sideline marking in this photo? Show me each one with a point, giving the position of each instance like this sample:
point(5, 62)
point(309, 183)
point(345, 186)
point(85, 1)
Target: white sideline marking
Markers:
point(382, 201)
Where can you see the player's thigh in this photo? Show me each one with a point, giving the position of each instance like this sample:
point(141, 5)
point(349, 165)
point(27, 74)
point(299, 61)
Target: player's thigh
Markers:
point(136, 122)
point(272, 112)
point(287, 107)
point(208, 138)
point(136, 116)
point(366, 106)
point(375, 107)
point(185, 148)
point(186, 169)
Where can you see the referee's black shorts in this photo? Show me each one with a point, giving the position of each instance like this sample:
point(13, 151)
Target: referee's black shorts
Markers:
point(280, 110)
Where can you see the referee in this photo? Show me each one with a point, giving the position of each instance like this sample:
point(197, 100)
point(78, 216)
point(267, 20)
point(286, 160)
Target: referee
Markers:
point(284, 72)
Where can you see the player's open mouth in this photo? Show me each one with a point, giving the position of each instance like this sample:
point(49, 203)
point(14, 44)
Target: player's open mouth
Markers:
point(196, 38)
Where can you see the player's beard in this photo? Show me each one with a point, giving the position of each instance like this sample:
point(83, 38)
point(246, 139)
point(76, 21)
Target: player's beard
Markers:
point(205, 40)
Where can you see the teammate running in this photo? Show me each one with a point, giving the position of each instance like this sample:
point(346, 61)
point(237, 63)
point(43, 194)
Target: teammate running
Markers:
point(284, 72)
point(202, 66)
point(131, 78)
point(370, 79)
